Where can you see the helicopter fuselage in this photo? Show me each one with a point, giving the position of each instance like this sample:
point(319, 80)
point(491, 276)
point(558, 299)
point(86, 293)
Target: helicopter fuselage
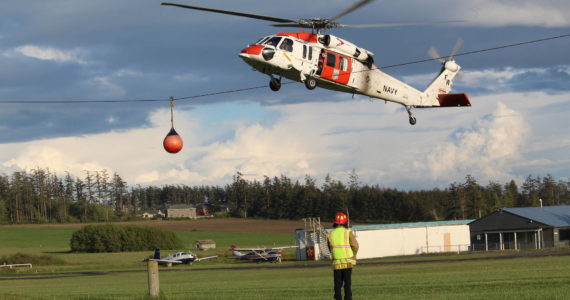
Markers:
point(336, 64)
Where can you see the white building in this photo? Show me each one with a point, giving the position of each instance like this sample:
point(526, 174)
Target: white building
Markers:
point(393, 239)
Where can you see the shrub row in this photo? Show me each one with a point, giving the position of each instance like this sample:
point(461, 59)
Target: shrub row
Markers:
point(116, 238)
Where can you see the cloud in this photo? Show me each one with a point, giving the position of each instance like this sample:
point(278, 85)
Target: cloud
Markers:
point(487, 149)
point(130, 152)
point(502, 80)
point(52, 158)
point(319, 139)
point(553, 13)
point(480, 13)
point(53, 54)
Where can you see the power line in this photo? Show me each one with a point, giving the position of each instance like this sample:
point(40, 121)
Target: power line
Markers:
point(479, 51)
point(260, 87)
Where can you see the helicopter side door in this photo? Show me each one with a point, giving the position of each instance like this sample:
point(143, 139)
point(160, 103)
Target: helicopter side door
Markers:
point(335, 67)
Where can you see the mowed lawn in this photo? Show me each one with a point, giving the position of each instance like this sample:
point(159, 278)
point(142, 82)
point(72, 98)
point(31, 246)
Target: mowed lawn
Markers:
point(518, 278)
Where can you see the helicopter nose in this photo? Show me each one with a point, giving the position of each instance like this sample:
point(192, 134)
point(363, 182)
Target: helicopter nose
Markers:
point(250, 51)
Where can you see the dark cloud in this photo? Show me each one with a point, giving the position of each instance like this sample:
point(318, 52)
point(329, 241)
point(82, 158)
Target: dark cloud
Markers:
point(142, 50)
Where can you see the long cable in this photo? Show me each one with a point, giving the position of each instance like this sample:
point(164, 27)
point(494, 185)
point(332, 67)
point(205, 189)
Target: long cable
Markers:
point(478, 51)
point(260, 87)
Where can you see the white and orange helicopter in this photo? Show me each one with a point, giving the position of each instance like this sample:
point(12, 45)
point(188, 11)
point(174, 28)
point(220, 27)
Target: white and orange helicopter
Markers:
point(330, 62)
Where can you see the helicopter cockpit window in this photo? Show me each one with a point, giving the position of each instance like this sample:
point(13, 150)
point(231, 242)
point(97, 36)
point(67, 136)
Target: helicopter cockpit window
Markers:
point(262, 40)
point(287, 45)
point(273, 41)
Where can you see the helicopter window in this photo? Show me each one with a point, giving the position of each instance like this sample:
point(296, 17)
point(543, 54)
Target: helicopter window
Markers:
point(343, 64)
point(304, 51)
point(331, 60)
point(310, 53)
point(262, 40)
point(287, 45)
point(273, 41)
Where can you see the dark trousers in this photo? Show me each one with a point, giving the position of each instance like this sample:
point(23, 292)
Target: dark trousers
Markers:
point(343, 276)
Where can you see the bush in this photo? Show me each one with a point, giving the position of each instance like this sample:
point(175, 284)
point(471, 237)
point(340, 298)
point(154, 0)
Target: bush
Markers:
point(115, 238)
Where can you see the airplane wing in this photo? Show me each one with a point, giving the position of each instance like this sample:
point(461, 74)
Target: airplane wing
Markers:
point(281, 248)
point(204, 258)
point(164, 261)
point(264, 249)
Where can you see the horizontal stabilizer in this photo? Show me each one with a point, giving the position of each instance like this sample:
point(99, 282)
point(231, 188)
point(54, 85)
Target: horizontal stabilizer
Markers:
point(450, 100)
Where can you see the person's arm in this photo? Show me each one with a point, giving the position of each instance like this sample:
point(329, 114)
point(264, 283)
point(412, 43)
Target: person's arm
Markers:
point(329, 245)
point(353, 242)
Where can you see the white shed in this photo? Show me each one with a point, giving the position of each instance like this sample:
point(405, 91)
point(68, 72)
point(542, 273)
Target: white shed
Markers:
point(400, 239)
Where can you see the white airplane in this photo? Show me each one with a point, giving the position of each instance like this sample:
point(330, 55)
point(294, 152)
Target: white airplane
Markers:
point(177, 258)
point(259, 254)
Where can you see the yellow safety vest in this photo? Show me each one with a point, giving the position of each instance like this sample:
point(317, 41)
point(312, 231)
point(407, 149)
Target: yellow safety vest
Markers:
point(343, 257)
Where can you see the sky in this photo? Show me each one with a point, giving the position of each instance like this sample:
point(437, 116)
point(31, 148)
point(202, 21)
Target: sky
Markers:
point(140, 50)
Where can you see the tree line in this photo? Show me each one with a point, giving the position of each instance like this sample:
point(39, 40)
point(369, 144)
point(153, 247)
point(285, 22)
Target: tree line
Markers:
point(41, 196)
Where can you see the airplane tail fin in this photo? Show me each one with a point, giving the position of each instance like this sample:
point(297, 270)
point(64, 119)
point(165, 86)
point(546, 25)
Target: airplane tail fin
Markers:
point(234, 251)
point(438, 90)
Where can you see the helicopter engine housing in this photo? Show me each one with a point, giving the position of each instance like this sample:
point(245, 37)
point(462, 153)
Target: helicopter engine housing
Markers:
point(333, 42)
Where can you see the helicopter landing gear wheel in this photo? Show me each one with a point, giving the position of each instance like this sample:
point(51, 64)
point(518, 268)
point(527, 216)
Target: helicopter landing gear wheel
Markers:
point(274, 84)
point(412, 118)
point(310, 83)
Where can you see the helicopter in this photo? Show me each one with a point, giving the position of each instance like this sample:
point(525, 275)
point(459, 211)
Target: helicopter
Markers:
point(323, 60)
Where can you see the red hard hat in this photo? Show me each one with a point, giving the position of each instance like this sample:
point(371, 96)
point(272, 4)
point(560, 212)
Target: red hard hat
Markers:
point(340, 218)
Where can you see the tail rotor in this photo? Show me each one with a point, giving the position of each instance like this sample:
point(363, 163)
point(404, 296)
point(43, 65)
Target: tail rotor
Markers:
point(443, 59)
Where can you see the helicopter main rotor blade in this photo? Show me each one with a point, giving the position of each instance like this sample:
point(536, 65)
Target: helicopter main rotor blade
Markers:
point(234, 13)
point(398, 24)
point(295, 25)
point(351, 9)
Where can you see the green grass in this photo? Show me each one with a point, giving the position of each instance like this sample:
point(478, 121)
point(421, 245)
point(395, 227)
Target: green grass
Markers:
point(55, 242)
point(545, 277)
point(521, 278)
point(16, 237)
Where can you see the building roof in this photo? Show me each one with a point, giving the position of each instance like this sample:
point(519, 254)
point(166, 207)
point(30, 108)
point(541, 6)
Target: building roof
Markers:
point(180, 206)
point(205, 242)
point(555, 216)
point(411, 225)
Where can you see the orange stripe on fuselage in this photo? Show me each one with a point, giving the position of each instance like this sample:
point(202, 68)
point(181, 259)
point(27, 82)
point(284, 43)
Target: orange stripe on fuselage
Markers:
point(305, 36)
point(253, 49)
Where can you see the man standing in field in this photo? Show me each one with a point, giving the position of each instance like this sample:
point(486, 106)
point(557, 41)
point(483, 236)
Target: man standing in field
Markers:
point(343, 246)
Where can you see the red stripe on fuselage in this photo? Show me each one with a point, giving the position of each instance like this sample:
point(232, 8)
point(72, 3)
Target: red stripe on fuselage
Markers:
point(252, 49)
point(305, 36)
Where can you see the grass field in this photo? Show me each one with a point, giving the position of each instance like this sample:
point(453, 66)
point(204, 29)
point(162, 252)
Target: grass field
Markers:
point(546, 277)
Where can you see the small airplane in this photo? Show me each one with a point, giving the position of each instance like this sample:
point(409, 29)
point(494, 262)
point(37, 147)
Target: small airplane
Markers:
point(259, 254)
point(333, 63)
point(177, 258)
